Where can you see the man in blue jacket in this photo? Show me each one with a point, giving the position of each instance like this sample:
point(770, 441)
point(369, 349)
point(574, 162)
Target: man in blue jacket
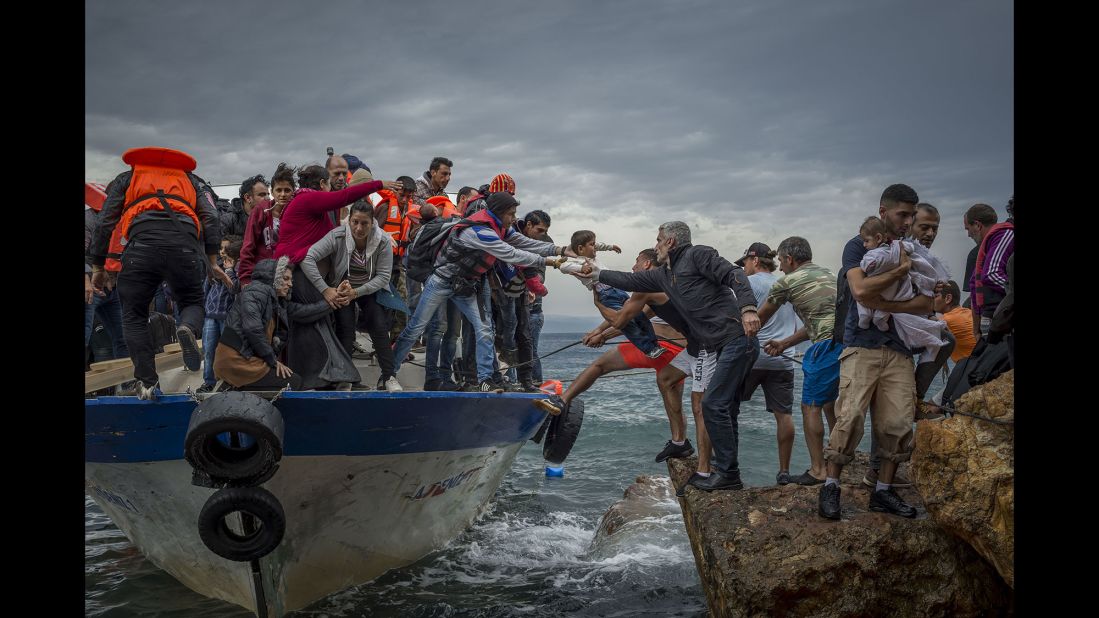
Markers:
point(697, 281)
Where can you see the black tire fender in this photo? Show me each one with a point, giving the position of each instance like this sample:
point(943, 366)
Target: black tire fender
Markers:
point(562, 432)
point(235, 411)
point(257, 502)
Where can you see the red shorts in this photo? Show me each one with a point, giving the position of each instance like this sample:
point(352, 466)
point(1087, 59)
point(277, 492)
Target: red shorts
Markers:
point(637, 359)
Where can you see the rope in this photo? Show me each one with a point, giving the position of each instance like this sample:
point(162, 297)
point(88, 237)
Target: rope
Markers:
point(949, 409)
point(647, 372)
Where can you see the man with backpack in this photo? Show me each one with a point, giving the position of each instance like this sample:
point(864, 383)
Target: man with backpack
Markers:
point(470, 248)
point(441, 337)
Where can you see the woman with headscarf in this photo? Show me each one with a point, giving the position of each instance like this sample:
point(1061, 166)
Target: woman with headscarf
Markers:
point(247, 356)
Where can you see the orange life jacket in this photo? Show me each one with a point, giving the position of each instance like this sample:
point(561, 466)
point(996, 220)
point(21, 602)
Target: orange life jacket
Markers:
point(393, 222)
point(95, 195)
point(445, 207)
point(159, 182)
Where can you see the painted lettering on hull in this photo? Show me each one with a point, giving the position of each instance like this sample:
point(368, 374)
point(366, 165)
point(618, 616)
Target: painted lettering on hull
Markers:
point(115, 499)
point(439, 487)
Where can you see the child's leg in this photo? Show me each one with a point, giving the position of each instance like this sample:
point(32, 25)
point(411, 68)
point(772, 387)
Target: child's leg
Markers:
point(640, 332)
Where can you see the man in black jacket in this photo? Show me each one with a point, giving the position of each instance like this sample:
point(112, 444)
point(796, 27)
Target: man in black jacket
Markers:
point(234, 219)
point(162, 245)
point(697, 281)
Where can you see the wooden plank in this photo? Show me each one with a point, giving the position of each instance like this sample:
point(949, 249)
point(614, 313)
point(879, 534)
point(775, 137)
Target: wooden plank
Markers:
point(108, 365)
point(171, 358)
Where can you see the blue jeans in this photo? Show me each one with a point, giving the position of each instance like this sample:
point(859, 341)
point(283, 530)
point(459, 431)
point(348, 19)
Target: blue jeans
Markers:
point(436, 293)
point(109, 309)
point(442, 342)
point(537, 320)
point(469, 340)
point(639, 330)
point(211, 333)
point(721, 402)
point(415, 289)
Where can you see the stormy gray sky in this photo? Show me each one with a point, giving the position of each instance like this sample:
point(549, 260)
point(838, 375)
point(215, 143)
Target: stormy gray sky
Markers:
point(751, 121)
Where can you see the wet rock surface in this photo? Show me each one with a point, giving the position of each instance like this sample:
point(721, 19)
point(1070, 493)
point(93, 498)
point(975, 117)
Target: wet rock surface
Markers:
point(766, 551)
point(965, 469)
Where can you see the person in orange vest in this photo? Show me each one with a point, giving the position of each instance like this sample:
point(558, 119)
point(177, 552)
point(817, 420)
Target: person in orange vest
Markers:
point(392, 214)
point(103, 304)
point(445, 207)
point(167, 220)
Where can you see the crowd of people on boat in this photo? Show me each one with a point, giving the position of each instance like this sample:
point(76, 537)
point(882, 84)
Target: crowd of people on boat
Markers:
point(277, 283)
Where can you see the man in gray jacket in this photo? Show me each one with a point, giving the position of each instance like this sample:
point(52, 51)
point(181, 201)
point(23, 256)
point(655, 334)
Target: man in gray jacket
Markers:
point(697, 281)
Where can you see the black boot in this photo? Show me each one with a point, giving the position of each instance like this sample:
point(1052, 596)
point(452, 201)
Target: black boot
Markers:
point(828, 505)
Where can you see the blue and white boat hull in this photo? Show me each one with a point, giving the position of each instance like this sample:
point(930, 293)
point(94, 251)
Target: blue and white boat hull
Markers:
point(369, 481)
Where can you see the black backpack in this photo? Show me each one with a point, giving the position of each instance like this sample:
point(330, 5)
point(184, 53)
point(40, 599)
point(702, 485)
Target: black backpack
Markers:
point(427, 245)
point(987, 362)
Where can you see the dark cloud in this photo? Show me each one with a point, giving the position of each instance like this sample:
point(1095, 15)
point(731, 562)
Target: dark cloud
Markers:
point(751, 122)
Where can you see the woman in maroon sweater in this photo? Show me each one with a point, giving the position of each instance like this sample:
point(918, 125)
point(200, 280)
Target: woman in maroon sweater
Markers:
point(313, 349)
point(305, 220)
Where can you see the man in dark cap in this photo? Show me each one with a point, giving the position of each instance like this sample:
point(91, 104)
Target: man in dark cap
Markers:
point(472, 248)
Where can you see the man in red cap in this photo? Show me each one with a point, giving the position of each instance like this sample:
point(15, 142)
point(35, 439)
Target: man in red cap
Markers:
point(168, 220)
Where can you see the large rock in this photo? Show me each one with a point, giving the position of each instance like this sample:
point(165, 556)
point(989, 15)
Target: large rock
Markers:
point(648, 496)
point(965, 470)
point(765, 551)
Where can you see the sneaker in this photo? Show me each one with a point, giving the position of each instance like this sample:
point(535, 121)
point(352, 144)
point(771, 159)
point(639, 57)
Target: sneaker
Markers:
point(656, 352)
point(148, 393)
point(675, 451)
point(486, 386)
point(449, 385)
point(432, 385)
point(887, 501)
point(870, 479)
point(783, 478)
point(554, 405)
point(391, 384)
point(807, 479)
point(411, 357)
point(527, 386)
point(205, 388)
point(828, 505)
point(192, 358)
point(928, 411)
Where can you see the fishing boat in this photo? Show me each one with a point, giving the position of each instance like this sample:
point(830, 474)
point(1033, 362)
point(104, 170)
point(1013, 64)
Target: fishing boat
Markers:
point(360, 481)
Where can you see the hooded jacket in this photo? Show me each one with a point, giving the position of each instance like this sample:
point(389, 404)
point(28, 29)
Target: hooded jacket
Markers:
point(254, 307)
point(231, 217)
point(337, 246)
point(697, 281)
